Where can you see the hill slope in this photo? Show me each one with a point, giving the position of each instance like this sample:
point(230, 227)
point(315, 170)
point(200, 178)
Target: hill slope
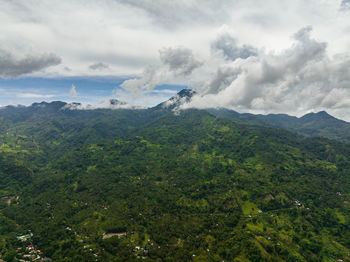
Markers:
point(58, 123)
point(192, 187)
point(313, 124)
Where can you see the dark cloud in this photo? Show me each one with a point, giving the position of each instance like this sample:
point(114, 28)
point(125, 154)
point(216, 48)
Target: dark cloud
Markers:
point(98, 66)
point(227, 45)
point(180, 60)
point(13, 66)
point(345, 4)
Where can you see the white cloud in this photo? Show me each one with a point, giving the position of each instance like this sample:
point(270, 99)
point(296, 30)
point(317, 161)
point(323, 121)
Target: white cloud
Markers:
point(174, 14)
point(175, 63)
point(151, 77)
point(299, 79)
point(73, 91)
point(105, 104)
point(33, 95)
point(144, 99)
point(127, 35)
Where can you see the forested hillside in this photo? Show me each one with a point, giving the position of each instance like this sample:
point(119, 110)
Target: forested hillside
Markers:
point(187, 187)
point(313, 124)
point(57, 129)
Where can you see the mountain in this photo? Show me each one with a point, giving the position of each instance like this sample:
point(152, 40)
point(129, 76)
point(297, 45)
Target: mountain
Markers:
point(182, 97)
point(322, 115)
point(313, 124)
point(58, 126)
point(186, 187)
point(73, 125)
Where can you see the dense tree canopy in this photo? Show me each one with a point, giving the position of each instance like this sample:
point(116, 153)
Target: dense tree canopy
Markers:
point(127, 185)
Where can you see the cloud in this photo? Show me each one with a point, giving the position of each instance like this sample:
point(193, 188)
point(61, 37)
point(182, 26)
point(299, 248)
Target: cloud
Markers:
point(73, 92)
point(164, 91)
point(127, 34)
point(151, 77)
point(105, 104)
point(175, 63)
point(33, 95)
point(173, 14)
point(146, 99)
point(227, 46)
point(345, 4)
point(98, 66)
point(298, 79)
point(223, 77)
point(14, 66)
point(180, 60)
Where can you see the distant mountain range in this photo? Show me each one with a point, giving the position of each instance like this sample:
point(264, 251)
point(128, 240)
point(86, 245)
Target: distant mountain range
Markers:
point(313, 124)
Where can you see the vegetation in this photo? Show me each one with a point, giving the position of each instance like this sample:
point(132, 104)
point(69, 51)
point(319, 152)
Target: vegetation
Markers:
point(313, 124)
point(129, 185)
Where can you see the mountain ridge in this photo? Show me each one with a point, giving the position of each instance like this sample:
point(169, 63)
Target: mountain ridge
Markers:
point(311, 124)
point(183, 96)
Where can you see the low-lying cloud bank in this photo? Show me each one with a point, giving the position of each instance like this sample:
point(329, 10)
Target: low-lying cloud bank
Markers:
point(297, 80)
point(106, 104)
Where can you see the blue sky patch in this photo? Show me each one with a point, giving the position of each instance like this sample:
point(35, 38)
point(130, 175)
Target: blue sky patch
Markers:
point(26, 90)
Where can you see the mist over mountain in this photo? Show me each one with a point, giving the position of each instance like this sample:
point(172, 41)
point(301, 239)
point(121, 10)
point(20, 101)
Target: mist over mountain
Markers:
point(313, 124)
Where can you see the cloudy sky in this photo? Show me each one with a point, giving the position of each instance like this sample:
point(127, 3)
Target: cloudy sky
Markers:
point(271, 56)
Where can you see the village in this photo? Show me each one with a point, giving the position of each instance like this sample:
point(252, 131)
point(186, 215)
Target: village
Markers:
point(28, 251)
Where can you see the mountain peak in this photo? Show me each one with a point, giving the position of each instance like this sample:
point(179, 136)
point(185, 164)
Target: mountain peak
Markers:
point(319, 115)
point(182, 97)
point(186, 93)
point(324, 114)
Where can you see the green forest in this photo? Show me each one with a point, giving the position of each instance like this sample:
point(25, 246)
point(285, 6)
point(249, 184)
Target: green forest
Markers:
point(151, 185)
